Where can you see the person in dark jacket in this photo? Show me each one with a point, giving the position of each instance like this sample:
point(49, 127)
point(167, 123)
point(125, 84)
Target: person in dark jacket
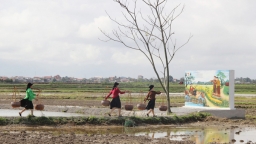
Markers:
point(115, 103)
point(27, 101)
point(152, 99)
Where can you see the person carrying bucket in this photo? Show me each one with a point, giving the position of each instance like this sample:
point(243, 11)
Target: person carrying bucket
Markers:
point(27, 101)
point(115, 103)
point(152, 99)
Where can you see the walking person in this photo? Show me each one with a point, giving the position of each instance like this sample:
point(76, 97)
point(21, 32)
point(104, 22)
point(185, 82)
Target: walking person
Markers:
point(115, 103)
point(152, 99)
point(27, 101)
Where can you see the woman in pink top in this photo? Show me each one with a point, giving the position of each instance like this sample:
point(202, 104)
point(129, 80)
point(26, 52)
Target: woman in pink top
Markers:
point(115, 103)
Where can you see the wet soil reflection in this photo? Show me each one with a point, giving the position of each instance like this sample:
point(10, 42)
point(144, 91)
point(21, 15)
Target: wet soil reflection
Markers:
point(197, 135)
point(206, 135)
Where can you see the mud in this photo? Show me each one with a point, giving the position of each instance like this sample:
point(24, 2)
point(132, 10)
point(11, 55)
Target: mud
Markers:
point(21, 133)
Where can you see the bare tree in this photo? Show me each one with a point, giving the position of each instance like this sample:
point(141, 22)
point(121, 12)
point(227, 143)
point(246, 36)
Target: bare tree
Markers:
point(151, 34)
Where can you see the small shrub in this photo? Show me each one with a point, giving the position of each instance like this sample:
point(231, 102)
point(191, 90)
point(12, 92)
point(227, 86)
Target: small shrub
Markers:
point(2, 121)
point(129, 123)
point(116, 121)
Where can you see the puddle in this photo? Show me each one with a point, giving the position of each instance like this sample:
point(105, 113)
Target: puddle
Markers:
point(207, 135)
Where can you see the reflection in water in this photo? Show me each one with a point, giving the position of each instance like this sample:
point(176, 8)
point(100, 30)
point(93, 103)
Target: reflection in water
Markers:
point(197, 135)
point(207, 135)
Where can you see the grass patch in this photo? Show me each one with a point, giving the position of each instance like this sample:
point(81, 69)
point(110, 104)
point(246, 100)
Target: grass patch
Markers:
point(92, 120)
point(3, 121)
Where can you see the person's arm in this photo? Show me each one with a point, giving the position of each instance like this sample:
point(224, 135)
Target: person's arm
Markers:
point(120, 91)
point(108, 95)
point(158, 92)
point(146, 97)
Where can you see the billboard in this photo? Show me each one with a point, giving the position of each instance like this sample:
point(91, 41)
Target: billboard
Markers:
point(211, 88)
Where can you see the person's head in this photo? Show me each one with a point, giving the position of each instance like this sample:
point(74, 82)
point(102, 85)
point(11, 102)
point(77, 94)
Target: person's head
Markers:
point(29, 85)
point(151, 87)
point(115, 85)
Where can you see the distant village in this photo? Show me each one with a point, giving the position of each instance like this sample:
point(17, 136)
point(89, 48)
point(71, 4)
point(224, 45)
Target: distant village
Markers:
point(66, 79)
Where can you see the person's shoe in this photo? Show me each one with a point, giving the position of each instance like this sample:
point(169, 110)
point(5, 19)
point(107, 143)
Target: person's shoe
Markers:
point(120, 116)
point(109, 114)
point(154, 115)
point(33, 116)
point(19, 113)
point(147, 115)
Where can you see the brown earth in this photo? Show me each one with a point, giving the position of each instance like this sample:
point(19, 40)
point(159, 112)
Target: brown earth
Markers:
point(71, 134)
point(20, 134)
point(72, 138)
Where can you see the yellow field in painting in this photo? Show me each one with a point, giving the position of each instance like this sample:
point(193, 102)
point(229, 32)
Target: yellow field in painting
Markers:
point(211, 100)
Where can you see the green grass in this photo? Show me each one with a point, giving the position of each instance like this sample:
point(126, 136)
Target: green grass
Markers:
point(106, 87)
point(92, 120)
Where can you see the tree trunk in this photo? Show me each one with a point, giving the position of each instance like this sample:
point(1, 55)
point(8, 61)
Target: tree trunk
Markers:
point(168, 97)
point(168, 103)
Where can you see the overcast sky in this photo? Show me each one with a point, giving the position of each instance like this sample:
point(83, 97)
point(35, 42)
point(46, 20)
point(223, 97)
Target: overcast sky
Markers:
point(46, 37)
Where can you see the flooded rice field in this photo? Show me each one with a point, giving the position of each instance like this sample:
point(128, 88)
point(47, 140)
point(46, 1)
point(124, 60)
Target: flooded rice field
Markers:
point(152, 134)
point(206, 135)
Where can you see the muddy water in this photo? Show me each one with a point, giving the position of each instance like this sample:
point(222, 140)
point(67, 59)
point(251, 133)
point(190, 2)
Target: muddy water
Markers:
point(206, 135)
point(197, 135)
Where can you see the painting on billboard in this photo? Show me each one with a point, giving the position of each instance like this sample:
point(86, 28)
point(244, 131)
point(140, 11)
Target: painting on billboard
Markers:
point(207, 88)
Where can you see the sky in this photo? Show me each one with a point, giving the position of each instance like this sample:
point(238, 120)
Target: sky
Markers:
point(46, 38)
point(207, 76)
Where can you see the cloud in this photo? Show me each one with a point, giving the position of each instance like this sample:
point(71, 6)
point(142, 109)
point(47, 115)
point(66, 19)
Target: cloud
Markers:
point(62, 37)
point(91, 30)
point(129, 57)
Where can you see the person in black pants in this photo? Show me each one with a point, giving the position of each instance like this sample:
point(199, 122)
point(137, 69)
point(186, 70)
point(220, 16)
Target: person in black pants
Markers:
point(27, 101)
point(115, 103)
point(152, 99)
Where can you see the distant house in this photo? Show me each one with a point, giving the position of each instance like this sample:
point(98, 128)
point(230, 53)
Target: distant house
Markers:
point(28, 79)
point(38, 80)
point(112, 79)
point(79, 79)
point(140, 77)
point(96, 79)
point(57, 78)
point(48, 79)
point(20, 79)
point(124, 80)
point(3, 78)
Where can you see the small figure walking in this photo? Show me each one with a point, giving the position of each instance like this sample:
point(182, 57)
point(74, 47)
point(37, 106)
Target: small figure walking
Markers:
point(214, 85)
point(115, 103)
point(218, 83)
point(152, 99)
point(27, 101)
